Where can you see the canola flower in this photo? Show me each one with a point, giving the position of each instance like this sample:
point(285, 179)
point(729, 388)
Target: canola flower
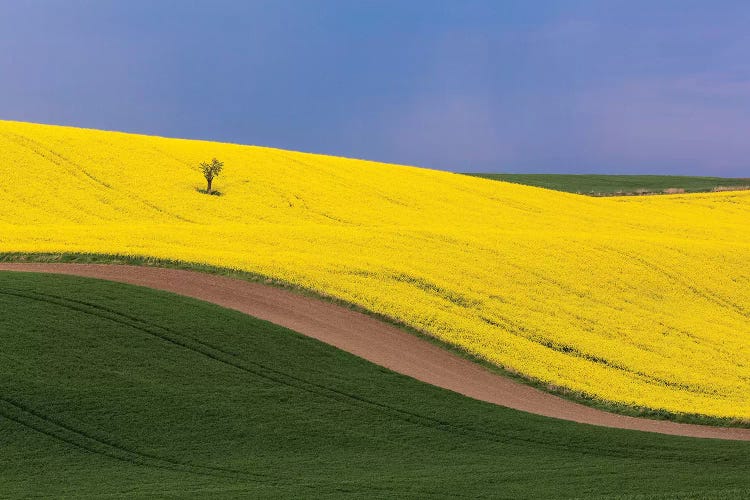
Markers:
point(641, 301)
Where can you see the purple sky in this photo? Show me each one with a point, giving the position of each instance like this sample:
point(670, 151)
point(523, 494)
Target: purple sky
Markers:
point(514, 86)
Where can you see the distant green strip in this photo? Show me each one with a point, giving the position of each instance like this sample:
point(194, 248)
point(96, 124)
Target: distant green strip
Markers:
point(609, 185)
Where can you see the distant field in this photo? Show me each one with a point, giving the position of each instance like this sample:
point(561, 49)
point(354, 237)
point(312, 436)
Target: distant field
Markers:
point(110, 390)
point(607, 185)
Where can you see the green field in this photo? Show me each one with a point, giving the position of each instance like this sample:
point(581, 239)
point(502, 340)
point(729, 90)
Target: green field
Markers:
point(608, 185)
point(113, 390)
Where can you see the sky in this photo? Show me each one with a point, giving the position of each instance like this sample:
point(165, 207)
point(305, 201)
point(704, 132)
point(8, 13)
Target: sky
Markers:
point(536, 86)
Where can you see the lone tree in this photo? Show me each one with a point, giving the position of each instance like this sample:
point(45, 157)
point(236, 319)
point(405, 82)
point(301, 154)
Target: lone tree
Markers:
point(210, 170)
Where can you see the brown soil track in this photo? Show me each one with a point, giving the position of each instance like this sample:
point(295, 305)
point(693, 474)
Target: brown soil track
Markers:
point(373, 340)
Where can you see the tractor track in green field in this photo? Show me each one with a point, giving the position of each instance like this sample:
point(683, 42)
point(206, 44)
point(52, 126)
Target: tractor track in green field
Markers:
point(255, 369)
point(32, 419)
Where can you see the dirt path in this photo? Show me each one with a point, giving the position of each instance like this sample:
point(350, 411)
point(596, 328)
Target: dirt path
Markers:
point(373, 340)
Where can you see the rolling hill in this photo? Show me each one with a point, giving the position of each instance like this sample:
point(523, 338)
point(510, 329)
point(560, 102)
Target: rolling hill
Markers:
point(634, 301)
point(111, 390)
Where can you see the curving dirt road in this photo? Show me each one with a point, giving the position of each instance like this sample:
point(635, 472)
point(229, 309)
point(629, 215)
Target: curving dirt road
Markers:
point(373, 340)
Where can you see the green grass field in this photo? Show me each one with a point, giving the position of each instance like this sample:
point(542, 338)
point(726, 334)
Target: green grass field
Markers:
point(608, 185)
point(113, 390)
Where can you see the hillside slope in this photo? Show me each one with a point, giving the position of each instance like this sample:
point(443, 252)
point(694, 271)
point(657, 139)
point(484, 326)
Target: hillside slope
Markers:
point(641, 301)
point(114, 391)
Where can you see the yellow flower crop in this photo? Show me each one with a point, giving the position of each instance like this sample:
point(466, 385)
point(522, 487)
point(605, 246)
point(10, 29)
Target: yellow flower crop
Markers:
point(642, 301)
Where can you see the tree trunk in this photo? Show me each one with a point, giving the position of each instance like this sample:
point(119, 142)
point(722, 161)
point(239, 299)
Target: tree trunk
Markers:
point(208, 188)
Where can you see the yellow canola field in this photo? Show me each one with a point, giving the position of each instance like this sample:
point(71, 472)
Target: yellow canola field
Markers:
point(642, 301)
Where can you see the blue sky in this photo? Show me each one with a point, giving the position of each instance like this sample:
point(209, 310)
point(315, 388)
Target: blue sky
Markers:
point(515, 86)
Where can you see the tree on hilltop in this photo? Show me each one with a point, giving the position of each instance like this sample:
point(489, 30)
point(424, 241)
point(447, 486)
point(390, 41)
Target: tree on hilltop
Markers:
point(210, 171)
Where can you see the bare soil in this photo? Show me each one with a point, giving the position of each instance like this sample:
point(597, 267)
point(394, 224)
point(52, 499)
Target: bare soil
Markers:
point(373, 340)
